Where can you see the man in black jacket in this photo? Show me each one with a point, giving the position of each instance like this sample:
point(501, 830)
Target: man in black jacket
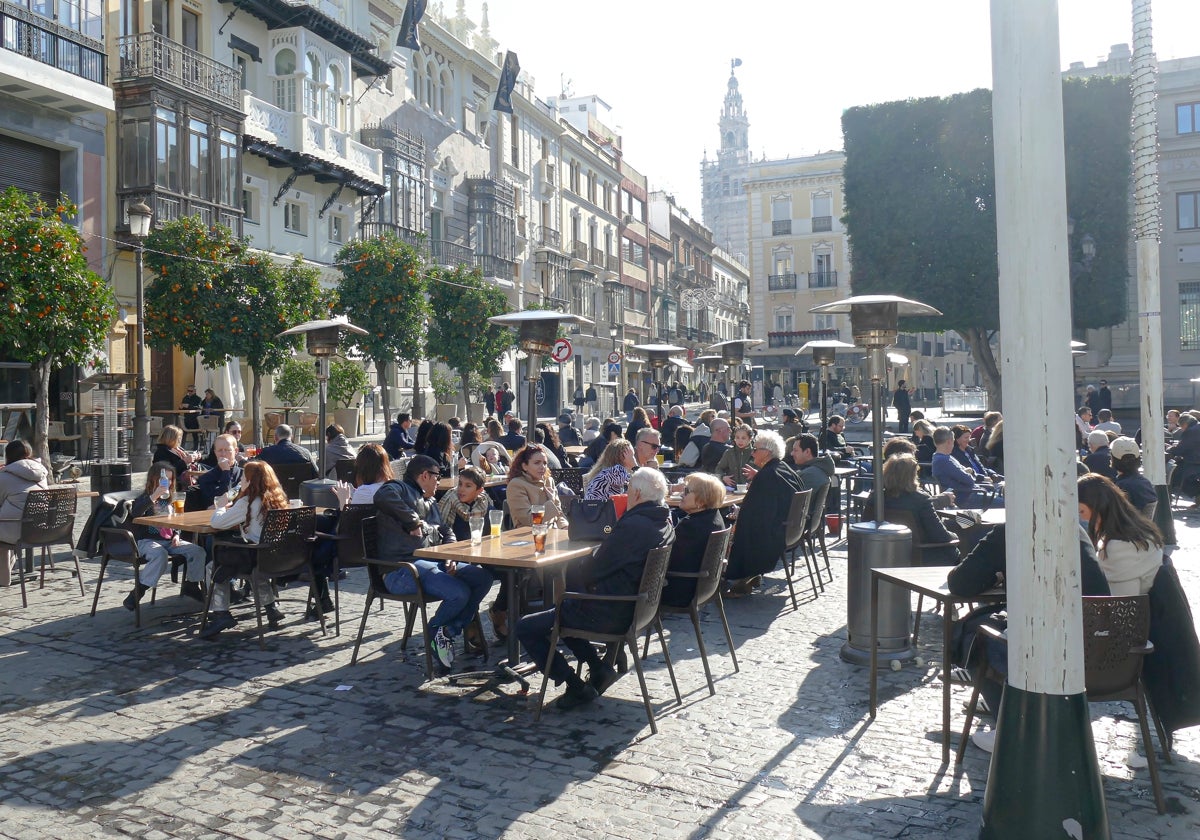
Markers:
point(615, 569)
point(759, 536)
point(283, 451)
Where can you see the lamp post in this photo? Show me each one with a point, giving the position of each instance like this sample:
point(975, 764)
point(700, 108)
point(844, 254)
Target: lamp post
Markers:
point(321, 340)
point(824, 355)
point(139, 228)
point(659, 356)
point(537, 330)
point(614, 289)
point(874, 323)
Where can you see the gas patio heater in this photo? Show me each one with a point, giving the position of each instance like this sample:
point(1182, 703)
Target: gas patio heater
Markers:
point(537, 330)
point(824, 353)
point(874, 323)
point(322, 339)
point(659, 356)
point(711, 365)
point(733, 354)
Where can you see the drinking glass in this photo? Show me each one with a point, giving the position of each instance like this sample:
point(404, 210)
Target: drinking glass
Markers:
point(660, 458)
point(476, 529)
point(539, 538)
point(497, 520)
point(537, 514)
point(177, 506)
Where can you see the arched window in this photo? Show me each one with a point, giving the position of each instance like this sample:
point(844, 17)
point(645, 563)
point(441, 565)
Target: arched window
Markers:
point(312, 87)
point(427, 97)
point(284, 81)
point(333, 93)
point(445, 93)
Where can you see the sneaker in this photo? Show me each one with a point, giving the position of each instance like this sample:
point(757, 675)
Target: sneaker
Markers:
point(573, 698)
point(443, 647)
point(986, 741)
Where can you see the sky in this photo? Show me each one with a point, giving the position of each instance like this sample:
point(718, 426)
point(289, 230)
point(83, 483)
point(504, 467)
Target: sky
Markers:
point(663, 65)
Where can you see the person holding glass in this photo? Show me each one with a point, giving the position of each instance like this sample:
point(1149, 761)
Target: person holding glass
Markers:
point(529, 484)
point(158, 545)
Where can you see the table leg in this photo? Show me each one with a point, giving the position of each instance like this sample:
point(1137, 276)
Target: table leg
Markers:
point(947, 629)
point(874, 639)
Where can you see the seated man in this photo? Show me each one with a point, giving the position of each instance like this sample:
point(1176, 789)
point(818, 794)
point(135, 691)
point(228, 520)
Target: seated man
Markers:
point(399, 441)
point(1105, 422)
point(514, 440)
point(409, 519)
point(225, 476)
point(615, 569)
point(645, 451)
point(815, 470)
point(718, 444)
point(283, 451)
point(674, 420)
point(832, 440)
point(567, 434)
point(970, 490)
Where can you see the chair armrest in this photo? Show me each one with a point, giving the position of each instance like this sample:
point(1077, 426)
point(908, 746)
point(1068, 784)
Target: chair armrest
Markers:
point(954, 541)
point(685, 575)
point(588, 596)
point(232, 544)
point(325, 536)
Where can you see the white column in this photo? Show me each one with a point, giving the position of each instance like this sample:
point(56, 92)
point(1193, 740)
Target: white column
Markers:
point(1044, 608)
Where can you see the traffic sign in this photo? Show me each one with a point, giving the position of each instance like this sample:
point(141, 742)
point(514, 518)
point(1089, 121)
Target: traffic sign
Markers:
point(562, 351)
point(614, 370)
point(614, 358)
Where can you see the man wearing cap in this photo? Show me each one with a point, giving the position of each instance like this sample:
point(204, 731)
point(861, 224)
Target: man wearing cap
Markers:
point(568, 435)
point(1127, 461)
point(1099, 457)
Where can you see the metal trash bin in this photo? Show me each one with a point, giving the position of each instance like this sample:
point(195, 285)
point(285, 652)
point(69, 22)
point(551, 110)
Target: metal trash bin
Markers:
point(874, 545)
point(318, 492)
point(111, 476)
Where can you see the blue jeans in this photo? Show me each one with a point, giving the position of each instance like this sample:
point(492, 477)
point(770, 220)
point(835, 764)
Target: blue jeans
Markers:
point(460, 593)
point(157, 555)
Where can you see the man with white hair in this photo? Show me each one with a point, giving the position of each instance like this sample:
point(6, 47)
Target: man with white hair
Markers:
point(758, 539)
point(615, 569)
point(283, 451)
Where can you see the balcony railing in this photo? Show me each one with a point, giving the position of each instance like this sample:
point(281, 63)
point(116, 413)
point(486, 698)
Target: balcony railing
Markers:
point(549, 238)
point(782, 227)
point(579, 250)
point(493, 266)
point(683, 273)
point(371, 230)
point(798, 338)
point(298, 132)
point(46, 42)
point(451, 254)
point(820, 224)
point(169, 207)
point(151, 56)
point(822, 279)
point(781, 282)
point(612, 262)
point(596, 257)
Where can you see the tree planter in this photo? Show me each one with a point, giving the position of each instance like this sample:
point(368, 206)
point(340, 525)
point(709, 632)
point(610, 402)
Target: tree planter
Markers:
point(347, 418)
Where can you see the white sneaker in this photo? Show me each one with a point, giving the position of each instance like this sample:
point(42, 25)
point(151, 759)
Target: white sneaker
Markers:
point(443, 647)
point(986, 741)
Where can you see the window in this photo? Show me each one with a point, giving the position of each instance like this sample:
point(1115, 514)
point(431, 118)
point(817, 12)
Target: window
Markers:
point(199, 162)
point(824, 321)
point(242, 63)
point(783, 261)
point(822, 212)
point(166, 166)
point(333, 96)
point(293, 217)
point(136, 148)
point(1189, 316)
point(514, 141)
point(1188, 204)
point(191, 30)
point(1187, 118)
point(783, 319)
point(781, 215)
point(250, 206)
point(337, 228)
point(312, 88)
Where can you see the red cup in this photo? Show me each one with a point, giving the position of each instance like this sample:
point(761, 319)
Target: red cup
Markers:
point(620, 502)
point(833, 524)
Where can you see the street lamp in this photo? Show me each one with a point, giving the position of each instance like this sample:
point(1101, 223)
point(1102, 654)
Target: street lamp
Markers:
point(874, 323)
point(659, 356)
point(537, 330)
point(321, 340)
point(614, 288)
point(824, 355)
point(139, 228)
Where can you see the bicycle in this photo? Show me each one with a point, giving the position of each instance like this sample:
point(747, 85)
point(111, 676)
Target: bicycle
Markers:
point(857, 413)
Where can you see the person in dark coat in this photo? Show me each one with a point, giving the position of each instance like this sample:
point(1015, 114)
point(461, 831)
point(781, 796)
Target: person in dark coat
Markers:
point(703, 496)
point(283, 451)
point(226, 475)
point(630, 403)
point(505, 399)
point(191, 422)
point(615, 569)
point(1104, 396)
point(1127, 461)
point(902, 402)
point(718, 444)
point(758, 540)
point(399, 440)
point(902, 492)
point(595, 449)
point(641, 420)
point(1172, 671)
point(489, 401)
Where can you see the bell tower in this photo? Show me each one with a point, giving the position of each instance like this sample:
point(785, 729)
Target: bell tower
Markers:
point(734, 124)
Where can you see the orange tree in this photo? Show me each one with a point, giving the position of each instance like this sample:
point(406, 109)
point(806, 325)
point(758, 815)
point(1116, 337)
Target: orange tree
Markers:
point(53, 309)
point(382, 290)
point(208, 293)
point(459, 332)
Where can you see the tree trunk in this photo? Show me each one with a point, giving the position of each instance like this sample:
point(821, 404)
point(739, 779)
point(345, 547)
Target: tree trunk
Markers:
point(466, 392)
point(381, 377)
point(981, 352)
point(41, 411)
point(418, 401)
point(255, 411)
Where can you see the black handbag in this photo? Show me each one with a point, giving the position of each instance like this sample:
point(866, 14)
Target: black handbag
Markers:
point(591, 519)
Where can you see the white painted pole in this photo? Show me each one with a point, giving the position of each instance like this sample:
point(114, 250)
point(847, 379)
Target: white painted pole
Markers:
point(1044, 758)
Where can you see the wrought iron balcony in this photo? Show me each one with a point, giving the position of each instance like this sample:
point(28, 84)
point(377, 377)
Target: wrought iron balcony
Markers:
point(798, 338)
point(612, 262)
point(596, 257)
point(549, 238)
point(151, 56)
point(371, 230)
point(579, 250)
point(822, 279)
point(452, 254)
point(46, 42)
point(781, 282)
point(490, 265)
point(781, 227)
point(820, 224)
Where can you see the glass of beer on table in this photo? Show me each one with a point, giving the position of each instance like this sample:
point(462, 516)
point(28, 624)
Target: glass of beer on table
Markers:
point(539, 538)
point(537, 514)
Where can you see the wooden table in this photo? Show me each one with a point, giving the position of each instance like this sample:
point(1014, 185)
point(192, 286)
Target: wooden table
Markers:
point(512, 551)
point(575, 451)
point(489, 481)
point(929, 581)
point(194, 522)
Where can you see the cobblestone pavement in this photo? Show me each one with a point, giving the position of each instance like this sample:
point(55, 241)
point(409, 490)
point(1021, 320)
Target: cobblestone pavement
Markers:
point(109, 730)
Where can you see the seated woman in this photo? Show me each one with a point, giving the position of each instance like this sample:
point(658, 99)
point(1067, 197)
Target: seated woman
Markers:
point(640, 421)
point(703, 495)
point(248, 513)
point(902, 492)
point(22, 473)
point(731, 467)
point(468, 440)
point(611, 474)
point(440, 447)
point(158, 545)
point(1127, 460)
point(168, 451)
point(529, 484)
point(547, 436)
point(1128, 545)
point(683, 436)
point(494, 430)
point(922, 436)
point(372, 469)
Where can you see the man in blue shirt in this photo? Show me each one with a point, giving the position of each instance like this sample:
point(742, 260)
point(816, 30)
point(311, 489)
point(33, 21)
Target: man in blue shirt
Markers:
point(970, 490)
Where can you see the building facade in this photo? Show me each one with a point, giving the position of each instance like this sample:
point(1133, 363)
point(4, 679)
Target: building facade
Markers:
point(723, 199)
